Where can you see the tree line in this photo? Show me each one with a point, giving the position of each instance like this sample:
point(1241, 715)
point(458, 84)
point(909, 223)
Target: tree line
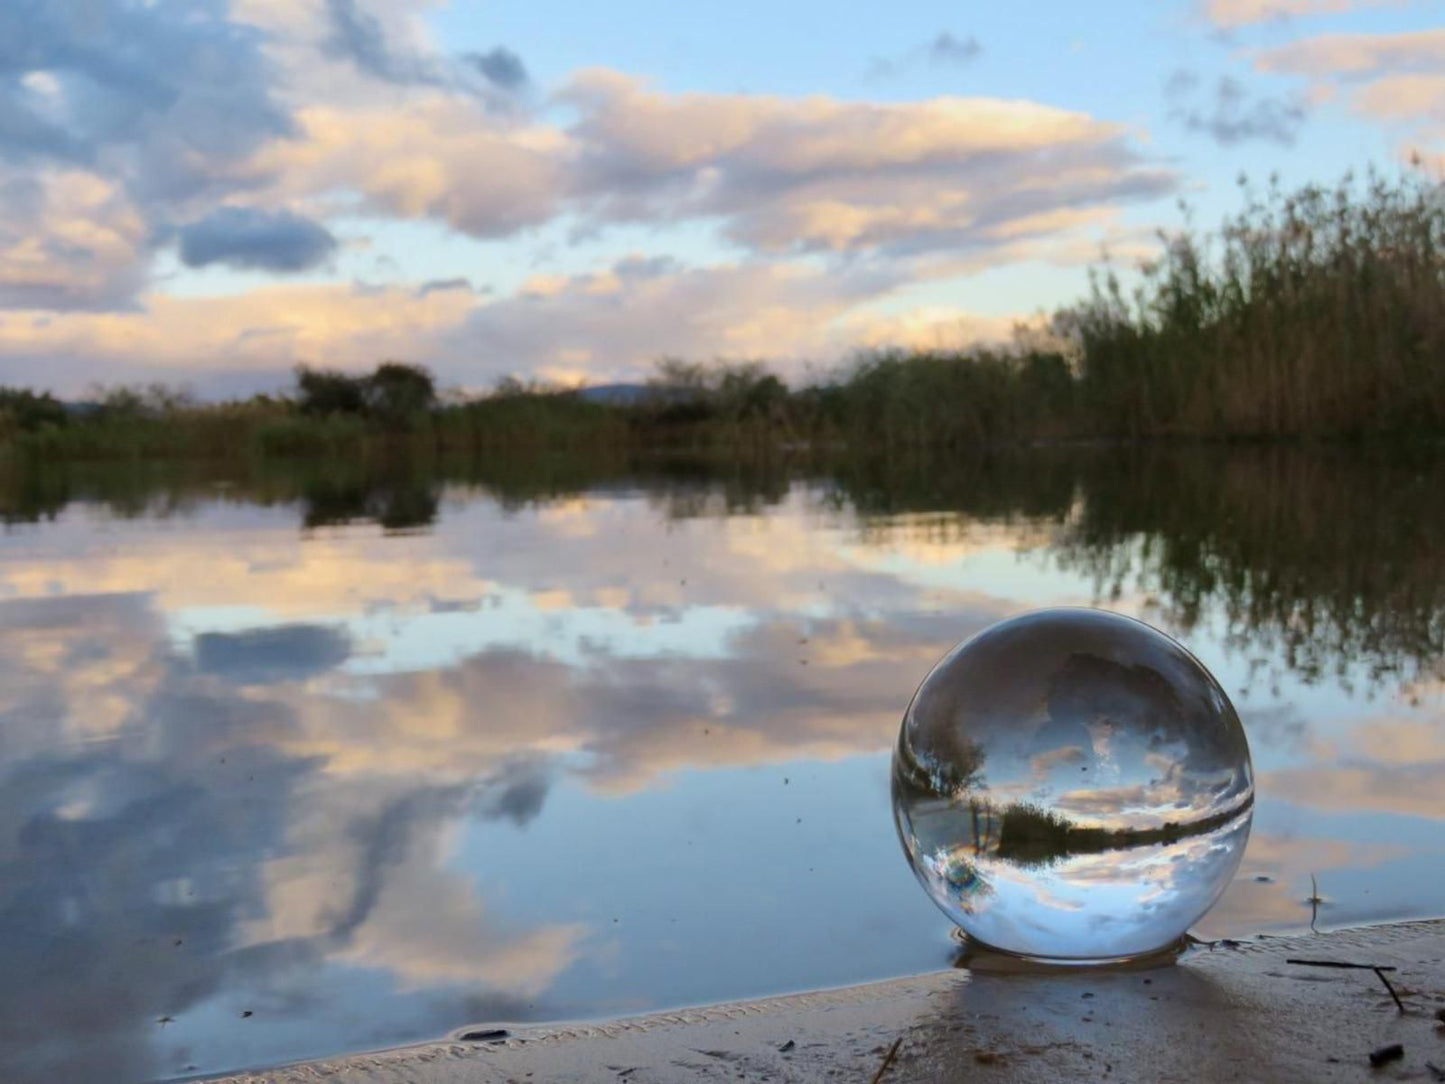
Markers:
point(1317, 313)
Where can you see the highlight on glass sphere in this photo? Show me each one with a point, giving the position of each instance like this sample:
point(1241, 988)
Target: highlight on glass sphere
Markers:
point(1072, 785)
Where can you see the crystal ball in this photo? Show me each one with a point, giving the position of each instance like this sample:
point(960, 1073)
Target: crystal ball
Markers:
point(1072, 785)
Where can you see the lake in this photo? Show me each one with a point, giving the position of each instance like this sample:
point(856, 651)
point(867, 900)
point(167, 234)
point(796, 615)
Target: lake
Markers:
point(297, 761)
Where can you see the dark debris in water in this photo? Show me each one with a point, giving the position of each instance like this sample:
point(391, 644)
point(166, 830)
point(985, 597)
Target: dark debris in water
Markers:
point(1393, 1052)
point(485, 1035)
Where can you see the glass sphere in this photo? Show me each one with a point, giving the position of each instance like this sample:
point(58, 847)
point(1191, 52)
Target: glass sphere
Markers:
point(1072, 785)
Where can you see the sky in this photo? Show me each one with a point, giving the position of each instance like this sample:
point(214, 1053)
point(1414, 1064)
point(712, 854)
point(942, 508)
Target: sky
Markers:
point(207, 193)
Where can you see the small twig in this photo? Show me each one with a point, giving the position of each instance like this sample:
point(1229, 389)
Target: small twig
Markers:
point(1339, 963)
point(1380, 971)
point(887, 1060)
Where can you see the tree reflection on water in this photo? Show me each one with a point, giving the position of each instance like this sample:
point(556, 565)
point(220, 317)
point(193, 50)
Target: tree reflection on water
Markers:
point(237, 758)
point(1326, 558)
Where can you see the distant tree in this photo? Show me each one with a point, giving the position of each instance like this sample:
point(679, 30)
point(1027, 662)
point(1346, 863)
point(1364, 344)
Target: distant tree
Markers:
point(131, 402)
point(680, 379)
point(326, 391)
point(23, 409)
point(748, 391)
point(397, 394)
point(510, 386)
point(689, 392)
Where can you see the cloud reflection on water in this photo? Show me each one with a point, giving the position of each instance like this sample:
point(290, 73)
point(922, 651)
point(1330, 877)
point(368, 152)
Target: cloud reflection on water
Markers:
point(379, 785)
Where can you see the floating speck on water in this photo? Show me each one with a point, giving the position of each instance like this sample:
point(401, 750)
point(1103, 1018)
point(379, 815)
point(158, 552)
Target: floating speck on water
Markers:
point(1024, 851)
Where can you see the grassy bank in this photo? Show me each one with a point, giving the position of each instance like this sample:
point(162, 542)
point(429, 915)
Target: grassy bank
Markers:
point(1311, 314)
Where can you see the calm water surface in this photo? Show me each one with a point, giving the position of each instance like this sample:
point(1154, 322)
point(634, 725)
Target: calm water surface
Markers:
point(317, 761)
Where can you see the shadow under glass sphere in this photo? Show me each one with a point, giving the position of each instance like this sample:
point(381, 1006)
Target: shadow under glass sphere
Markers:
point(1072, 785)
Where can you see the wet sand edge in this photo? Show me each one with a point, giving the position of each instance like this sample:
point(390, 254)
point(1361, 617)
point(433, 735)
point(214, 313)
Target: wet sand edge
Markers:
point(1238, 1010)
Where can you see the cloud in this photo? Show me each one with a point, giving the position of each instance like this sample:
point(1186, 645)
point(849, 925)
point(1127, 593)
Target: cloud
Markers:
point(1231, 115)
point(624, 318)
point(358, 36)
point(442, 157)
point(174, 89)
point(1388, 766)
point(241, 141)
point(947, 49)
point(522, 794)
point(307, 580)
point(384, 44)
point(779, 175)
point(502, 67)
point(343, 844)
point(824, 175)
point(69, 240)
point(234, 869)
point(1357, 56)
point(943, 50)
point(78, 671)
point(353, 862)
point(1404, 98)
point(115, 115)
point(616, 323)
point(275, 654)
point(254, 239)
point(432, 286)
point(1394, 78)
point(934, 327)
point(1229, 14)
point(252, 338)
point(1288, 862)
point(611, 323)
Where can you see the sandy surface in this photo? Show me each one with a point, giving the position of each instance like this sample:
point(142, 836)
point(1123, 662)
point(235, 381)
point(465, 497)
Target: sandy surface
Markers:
point(1230, 1013)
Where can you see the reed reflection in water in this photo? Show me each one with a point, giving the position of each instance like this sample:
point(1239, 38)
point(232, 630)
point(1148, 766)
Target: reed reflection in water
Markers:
point(371, 754)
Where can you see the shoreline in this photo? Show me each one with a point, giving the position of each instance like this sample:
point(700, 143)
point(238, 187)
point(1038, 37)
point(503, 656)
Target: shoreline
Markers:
point(1235, 1011)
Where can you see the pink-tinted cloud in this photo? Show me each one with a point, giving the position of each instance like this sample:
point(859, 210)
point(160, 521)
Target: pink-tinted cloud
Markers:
point(1228, 14)
point(824, 208)
point(178, 339)
point(1357, 55)
point(441, 157)
point(1404, 98)
point(603, 325)
point(820, 174)
point(68, 239)
point(1391, 78)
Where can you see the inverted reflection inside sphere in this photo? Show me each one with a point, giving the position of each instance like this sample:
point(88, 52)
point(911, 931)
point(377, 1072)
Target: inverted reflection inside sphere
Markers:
point(1072, 785)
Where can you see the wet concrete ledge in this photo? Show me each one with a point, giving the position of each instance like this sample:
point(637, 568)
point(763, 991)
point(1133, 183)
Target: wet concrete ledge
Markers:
point(1234, 1012)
